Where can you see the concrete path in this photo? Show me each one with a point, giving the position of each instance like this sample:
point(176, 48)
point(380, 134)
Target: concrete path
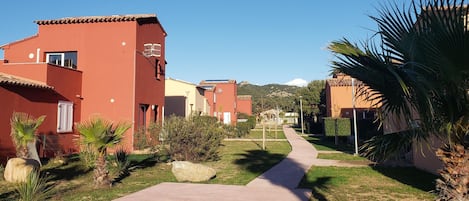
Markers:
point(277, 184)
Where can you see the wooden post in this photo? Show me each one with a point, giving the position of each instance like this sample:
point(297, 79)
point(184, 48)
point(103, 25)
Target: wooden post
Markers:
point(263, 136)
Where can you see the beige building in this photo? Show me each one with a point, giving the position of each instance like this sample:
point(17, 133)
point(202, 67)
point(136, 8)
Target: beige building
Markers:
point(184, 98)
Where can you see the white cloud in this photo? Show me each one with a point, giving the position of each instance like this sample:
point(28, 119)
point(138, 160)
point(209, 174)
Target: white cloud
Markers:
point(297, 82)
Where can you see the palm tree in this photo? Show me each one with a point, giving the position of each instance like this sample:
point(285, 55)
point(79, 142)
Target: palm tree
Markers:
point(418, 71)
point(101, 135)
point(23, 130)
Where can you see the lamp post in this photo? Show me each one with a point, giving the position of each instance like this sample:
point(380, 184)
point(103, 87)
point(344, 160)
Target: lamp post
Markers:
point(354, 117)
point(301, 111)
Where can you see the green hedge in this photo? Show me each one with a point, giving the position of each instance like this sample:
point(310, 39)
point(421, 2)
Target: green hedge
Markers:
point(343, 126)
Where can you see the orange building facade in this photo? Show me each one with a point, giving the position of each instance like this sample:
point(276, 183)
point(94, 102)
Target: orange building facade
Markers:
point(107, 66)
point(339, 97)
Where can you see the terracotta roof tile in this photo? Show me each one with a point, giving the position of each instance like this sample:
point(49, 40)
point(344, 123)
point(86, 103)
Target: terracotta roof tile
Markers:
point(6, 79)
point(148, 18)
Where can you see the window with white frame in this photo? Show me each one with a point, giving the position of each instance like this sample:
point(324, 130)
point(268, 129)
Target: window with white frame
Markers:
point(65, 117)
point(65, 59)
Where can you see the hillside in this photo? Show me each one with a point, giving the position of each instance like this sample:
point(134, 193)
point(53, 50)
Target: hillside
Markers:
point(269, 96)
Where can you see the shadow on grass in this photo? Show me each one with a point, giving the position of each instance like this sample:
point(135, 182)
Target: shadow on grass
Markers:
point(67, 172)
point(411, 176)
point(329, 142)
point(320, 184)
point(258, 161)
point(12, 195)
point(138, 162)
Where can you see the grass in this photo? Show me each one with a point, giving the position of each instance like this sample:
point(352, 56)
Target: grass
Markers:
point(272, 134)
point(341, 157)
point(328, 144)
point(368, 183)
point(364, 183)
point(240, 162)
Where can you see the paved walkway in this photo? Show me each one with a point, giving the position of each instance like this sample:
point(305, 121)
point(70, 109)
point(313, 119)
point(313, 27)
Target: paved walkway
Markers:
point(278, 183)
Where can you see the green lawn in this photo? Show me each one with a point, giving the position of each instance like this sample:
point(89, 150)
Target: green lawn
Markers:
point(341, 156)
point(328, 144)
point(364, 183)
point(368, 183)
point(272, 134)
point(240, 162)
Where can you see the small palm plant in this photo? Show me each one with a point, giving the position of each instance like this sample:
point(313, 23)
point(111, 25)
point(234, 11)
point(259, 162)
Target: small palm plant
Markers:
point(100, 135)
point(122, 162)
point(35, 188)
point(23, 129)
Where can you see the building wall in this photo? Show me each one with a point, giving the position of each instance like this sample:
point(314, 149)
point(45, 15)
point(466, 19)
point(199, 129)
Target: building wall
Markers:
point(226, 101)
point(181, 89)
point(117, 78)
point(37, 102)
point(424, 156)
point(149, 77)
point(244, 105)
point(201, 104)
point(339, 100)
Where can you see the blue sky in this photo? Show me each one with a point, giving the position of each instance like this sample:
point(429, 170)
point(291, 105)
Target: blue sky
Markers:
point(259, 41)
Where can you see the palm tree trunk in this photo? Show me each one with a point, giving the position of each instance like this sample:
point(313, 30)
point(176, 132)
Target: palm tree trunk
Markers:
point(454, 182)
point(101, 174)
point(22, 152)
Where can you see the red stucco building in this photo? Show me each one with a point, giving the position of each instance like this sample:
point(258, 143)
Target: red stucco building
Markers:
point(222, 98)
point(75, 68)
point(245, 104)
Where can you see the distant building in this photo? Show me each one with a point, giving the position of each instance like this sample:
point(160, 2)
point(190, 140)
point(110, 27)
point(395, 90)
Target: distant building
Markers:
point(184, 99)
point(222, 98)
point(245, 104)
point(79, 67)
point(339, 99)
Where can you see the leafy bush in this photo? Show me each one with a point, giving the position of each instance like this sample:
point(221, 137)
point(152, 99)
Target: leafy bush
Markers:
point(35, 188)
point(147, 138)
point(195, 139)
point(140, 141)
point(339, 126)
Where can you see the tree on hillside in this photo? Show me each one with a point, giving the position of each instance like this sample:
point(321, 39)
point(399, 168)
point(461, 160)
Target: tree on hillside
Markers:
point(419, 72)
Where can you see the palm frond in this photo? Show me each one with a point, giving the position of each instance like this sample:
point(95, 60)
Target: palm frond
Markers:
point(383, 147)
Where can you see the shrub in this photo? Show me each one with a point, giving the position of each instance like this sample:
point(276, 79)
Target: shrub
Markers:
point(147, 138)
point(339, 126)
point(35, 188)
point(140, 141)
point(195, 139)
point(243, 128)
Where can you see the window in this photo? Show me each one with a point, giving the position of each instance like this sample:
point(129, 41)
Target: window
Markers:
point(65, 59)
point(142, 117)
point(64, 117)
point(154, 109)
point(159, 69)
